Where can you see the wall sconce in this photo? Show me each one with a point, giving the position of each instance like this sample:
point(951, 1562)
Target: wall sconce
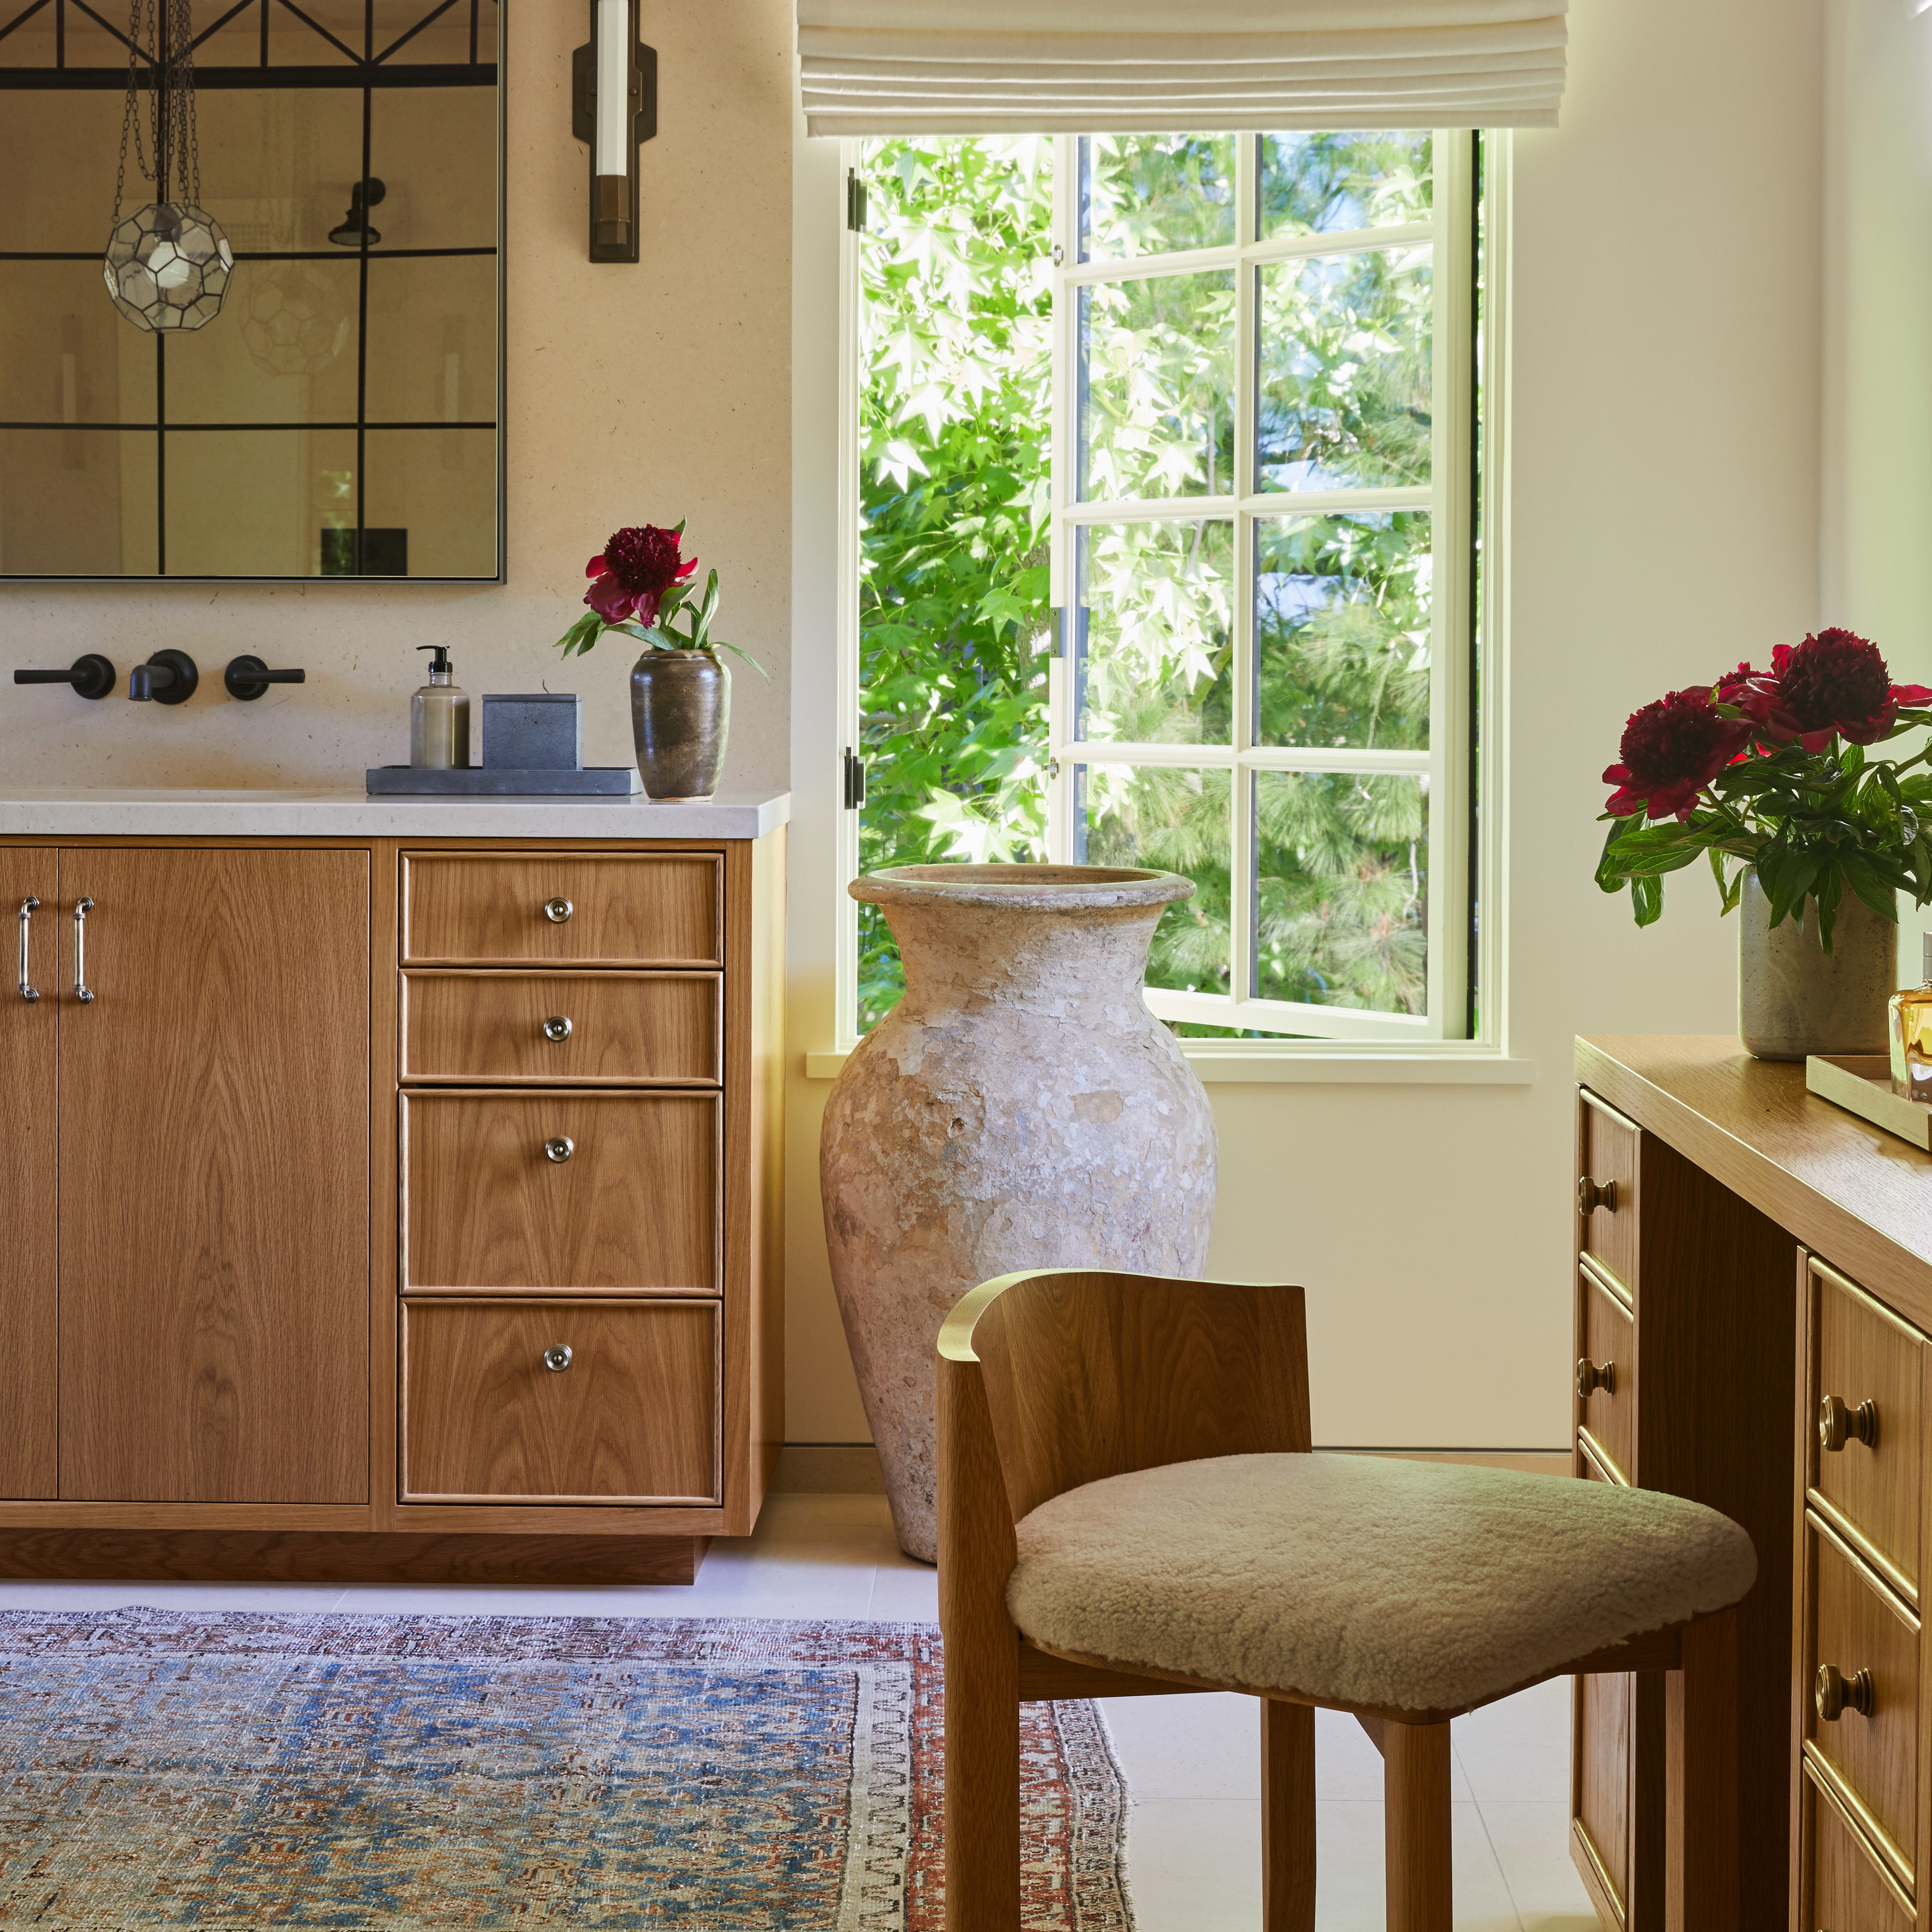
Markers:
point(614, 108)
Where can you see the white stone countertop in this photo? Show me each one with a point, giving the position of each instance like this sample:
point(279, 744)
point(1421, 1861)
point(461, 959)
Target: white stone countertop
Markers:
point(85, 811)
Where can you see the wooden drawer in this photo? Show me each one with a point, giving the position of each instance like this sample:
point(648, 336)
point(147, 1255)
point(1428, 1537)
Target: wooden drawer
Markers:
point(1606, 1366)
point(623, 909)
point(1850, 1890)
point(1863, 1353)
point(1606, 1151)
point(1854, 1624)
point(633, 1207)
point(635, 1029)
point(631, 1417)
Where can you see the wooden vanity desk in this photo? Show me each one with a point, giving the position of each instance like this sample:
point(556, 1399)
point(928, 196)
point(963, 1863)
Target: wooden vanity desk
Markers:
point(1753, 1285)
point(386, 1204)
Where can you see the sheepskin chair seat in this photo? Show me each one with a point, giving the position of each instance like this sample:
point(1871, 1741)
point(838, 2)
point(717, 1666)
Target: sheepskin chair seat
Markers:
point(1355, 1580)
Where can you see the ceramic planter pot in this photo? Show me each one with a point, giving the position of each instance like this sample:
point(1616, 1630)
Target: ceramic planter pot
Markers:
point(1019, 1108)
point(1794, 998)
point(680, 716)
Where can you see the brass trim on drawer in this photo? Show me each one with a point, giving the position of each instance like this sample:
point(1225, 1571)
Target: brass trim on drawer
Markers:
point(1604, 1892)
point(1825, 1794)
point(1608, 1112)
point(1833, 1522)
point(1607, 1281)
point(1596, 1452)
point(1874, 1834)
point(1825, 1271)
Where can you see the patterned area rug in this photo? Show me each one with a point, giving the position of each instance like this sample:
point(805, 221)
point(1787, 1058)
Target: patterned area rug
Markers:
point(160, 1768)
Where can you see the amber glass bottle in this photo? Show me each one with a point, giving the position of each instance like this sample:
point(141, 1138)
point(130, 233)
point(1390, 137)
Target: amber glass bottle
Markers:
point(1911, 1033)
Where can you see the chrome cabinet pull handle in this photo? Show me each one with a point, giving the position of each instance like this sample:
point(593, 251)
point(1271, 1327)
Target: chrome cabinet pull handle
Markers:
point(558, 1359)
point(559, 1147)
point(28, 908)
point(82, 907)
point(557, 910)
point(556, 1028)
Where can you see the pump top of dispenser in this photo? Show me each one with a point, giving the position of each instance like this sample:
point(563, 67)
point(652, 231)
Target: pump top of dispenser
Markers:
point(439, 663)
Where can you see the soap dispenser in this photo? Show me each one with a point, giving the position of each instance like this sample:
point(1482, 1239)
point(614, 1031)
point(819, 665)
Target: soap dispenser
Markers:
point(438, 718)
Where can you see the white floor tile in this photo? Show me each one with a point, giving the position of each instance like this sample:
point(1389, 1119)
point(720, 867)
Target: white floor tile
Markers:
point(1532, 1845)
point(904, 1593)
point(1519, 1748)
point(294, 1598)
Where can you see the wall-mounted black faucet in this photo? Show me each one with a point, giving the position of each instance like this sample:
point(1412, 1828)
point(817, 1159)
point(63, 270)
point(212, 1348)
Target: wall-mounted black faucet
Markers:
point(248, 678)
point(91, 675)
point(169, 677)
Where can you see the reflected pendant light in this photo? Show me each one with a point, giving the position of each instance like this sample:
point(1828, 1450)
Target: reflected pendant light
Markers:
point(167, 264)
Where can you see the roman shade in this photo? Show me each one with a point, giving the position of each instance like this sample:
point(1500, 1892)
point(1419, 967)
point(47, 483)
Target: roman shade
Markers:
point(980, 67)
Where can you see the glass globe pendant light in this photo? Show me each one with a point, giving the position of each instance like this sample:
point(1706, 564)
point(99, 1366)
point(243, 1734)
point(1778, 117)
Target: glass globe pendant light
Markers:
point(167, 264)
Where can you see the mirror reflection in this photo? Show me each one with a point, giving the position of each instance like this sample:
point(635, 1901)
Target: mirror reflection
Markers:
point(339, 415)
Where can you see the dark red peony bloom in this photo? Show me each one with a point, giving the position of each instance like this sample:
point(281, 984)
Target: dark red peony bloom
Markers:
point(1671, 750)
point(638, 566)
point(1835, 682)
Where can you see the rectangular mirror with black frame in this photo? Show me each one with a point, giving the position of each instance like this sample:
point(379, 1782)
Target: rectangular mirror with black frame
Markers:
point(330, 405)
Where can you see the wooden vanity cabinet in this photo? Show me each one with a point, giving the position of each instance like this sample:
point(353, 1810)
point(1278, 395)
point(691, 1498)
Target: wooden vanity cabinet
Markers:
point(390, 1209)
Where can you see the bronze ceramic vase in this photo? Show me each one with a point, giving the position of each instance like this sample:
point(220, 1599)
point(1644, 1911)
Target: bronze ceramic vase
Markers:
point(1019, 1108)
point(1794, 998)
point(680, 715)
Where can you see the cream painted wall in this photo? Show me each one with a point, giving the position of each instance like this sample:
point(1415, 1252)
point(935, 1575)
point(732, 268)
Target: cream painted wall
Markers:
point(1878, 327)
point(1665, 512)
point(635, 394)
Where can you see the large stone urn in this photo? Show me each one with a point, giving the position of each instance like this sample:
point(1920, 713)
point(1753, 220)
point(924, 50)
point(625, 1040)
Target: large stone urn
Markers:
point(1794, 998)
point(1020, 1107)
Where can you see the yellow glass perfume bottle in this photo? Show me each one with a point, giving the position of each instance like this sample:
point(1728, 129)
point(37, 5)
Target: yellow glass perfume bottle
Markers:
point(1910, 1031)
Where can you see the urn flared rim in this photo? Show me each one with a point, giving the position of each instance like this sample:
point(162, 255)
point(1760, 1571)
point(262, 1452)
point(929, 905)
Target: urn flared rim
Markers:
point(1022, 888)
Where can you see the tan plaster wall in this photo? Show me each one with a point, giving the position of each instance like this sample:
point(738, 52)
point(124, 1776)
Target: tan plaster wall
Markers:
point(635, 394)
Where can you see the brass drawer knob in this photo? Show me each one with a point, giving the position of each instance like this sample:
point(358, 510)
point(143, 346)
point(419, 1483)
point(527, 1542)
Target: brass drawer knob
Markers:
point(559, 1147)
point(557, 1027)
point(1591, 1376)
point(557, 910)
point(1834, 1694)
point(1593, 1194)
point(1839, 1423)
point(558, 1359)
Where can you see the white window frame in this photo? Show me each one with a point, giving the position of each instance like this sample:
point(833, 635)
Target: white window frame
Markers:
point(1456, 861)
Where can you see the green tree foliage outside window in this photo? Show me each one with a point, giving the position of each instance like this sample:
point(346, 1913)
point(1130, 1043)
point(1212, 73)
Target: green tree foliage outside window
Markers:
point(954, 619)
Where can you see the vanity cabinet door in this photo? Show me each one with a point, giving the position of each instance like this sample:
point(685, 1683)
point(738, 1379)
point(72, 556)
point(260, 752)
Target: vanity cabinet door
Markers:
point(214, 1176)
point(28, 1387)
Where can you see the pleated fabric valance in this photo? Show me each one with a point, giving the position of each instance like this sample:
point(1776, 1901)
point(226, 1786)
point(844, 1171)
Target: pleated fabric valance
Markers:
point(981, 66)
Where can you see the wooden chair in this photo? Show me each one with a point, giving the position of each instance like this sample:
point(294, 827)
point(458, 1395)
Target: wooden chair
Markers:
point(1375, 1582)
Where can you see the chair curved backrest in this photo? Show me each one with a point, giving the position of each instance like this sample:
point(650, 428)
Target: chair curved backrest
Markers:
point(1088, 1373)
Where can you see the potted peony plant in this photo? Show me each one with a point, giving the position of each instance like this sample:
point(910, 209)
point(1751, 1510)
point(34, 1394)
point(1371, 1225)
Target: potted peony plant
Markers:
point(1768, 774)
point(680, 690)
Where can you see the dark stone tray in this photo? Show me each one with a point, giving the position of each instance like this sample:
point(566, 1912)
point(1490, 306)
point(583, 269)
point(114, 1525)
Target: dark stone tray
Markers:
point(481, 782)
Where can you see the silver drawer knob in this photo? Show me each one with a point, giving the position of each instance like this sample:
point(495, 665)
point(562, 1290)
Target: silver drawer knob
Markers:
point(557, 1027)
point(559, 1147)
point(557, 910)
point(558, 1359)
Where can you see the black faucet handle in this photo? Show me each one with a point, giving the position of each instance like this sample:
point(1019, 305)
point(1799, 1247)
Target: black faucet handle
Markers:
point(248, 677)
point(168, 677)
point(91, 675)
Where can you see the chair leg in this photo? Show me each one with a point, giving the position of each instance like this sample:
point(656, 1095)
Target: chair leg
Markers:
point(1701, 1845)
point(982, 1786)
point(1415, 1809)
point(1288, 1817)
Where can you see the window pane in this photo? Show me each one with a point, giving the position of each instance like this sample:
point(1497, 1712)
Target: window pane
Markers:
point(1157, 386)
point(65, 355)
point(1342, 630)
point(956, 372)
point(77, 502)
point(254, 502)
point(1345, 371)
point(1342, 898)
point(1153, 643)
point(1151, 194)
point(282, 349)
point(435, 491)
point(1325, 183)
point(1172, 821)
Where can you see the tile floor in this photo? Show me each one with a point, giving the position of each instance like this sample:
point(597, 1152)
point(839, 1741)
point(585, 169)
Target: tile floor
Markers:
point(1191, 1762)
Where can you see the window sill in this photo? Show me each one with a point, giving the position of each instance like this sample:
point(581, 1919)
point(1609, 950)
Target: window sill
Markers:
point(1328, 1066)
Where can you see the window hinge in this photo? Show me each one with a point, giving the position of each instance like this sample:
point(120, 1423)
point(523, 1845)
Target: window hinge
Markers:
point(855, 780)
point(856, 209)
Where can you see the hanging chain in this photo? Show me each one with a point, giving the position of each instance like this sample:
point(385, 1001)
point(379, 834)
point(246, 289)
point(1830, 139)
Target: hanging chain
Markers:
point(171, 151)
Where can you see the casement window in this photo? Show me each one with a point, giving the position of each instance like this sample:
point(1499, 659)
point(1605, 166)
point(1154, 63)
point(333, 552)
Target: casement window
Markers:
point(1165, 477)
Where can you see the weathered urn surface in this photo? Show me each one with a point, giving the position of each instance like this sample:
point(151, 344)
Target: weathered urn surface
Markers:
point(1794, 998)
point(1019, 1108)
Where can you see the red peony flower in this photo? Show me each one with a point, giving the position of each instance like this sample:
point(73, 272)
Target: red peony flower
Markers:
point(1670, 750)
point(638, 566)
point(1833, 682)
